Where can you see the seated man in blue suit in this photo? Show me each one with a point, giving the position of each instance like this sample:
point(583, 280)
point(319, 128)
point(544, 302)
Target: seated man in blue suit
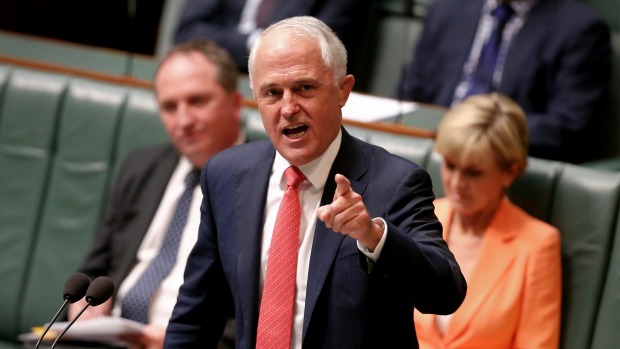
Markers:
point(235, 24)
point(552, 57)
point(315, 238)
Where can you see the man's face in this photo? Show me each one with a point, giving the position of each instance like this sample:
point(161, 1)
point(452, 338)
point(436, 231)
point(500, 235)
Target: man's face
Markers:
point(297, 98)
point(200, 117)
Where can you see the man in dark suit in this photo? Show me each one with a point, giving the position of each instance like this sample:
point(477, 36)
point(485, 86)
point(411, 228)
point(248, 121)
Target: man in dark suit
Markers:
point(235, 24)
point(366, 245)
point(554, 60)
point(200, 108)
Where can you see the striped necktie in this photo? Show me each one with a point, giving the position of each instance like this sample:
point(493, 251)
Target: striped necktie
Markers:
point(135, 304)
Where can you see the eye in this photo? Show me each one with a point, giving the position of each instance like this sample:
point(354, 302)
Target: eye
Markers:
point(272, 92)
point(473, 172)
point(198, 101)
point(168, 108)
point(303, 88)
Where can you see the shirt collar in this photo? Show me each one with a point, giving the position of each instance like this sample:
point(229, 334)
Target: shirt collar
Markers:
point(521, 7)
point(318, 169)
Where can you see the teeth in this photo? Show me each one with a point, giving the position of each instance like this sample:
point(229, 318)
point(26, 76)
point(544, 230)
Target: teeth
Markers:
point(297, 135)
point(294, 127)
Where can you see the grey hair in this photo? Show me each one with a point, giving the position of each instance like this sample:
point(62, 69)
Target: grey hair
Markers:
point(333, 52)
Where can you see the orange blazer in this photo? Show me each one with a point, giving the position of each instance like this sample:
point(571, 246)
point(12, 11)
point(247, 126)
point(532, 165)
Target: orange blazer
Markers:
point(514, 292)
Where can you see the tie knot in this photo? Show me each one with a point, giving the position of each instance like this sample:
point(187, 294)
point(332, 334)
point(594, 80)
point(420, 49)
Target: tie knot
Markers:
point(294, 176)
point(502, 12)
point(192, 177)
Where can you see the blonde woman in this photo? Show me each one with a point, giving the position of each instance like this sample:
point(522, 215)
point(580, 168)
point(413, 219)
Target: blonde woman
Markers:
point(511, 260)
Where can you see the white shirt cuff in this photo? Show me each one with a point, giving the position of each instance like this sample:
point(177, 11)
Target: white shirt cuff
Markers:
point(374, 256)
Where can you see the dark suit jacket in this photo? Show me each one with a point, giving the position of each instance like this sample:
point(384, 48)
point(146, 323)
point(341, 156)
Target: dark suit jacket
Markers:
point(218, 20)
point(133, 201)
point(346, 307)
point(557, 69)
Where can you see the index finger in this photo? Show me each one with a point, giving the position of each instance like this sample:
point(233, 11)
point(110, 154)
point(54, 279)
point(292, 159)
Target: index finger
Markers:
point(343, 186)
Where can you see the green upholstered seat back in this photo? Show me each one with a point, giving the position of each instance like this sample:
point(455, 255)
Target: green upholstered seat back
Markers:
point(28, 112)
point(606, 331)
point(5, 73)
point(253, 125)
point(433, 167)
point(140, 125)
point(410, 148)
point(396, 35)
point(584, 209)
point(76, 189)
point(533, 191)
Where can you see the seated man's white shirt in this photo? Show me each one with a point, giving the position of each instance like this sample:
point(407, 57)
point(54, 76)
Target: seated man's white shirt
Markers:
point(165, 297)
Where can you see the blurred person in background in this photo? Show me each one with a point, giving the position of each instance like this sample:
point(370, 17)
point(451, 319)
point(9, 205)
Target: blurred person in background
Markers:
point(553, 57)
point(511, 260)
point(236, 24)
point(200, 108)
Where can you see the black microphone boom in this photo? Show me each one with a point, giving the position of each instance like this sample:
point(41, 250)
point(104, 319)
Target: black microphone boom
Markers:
point(75, 288)
point(99, 291)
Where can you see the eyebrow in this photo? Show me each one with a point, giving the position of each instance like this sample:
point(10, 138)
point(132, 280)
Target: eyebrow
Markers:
point(303, 81)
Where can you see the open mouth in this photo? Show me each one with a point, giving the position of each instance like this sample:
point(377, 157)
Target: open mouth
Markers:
point(296, 131)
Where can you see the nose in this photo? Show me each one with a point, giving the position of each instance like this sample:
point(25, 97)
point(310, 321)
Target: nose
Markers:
point(184, 115)
point(457, 181)
point(289, 104)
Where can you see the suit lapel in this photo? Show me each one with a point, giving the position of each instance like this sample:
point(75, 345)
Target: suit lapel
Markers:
point(459, 38)
point(250, 195)
point(519, 61)
point(144, 199)
point(494, 261)
point(351, 163)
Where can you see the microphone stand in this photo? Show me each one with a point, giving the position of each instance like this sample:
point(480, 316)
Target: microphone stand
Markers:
point(49, 324)
point(70, 323)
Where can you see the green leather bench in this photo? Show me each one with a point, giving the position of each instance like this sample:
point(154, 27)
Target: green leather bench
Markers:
point(61, 140)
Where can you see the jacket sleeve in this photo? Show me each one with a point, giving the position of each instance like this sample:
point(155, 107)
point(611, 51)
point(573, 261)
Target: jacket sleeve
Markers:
point(575, 97)
point(415, 257)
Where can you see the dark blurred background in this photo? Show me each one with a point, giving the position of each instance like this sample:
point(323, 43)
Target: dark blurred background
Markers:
point(128, 25)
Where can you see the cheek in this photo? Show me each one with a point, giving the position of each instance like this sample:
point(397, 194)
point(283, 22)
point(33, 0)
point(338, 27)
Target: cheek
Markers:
point(446, 177)
point(168, 123)
point(489, 189)
point(270, 116)
point(445, 180)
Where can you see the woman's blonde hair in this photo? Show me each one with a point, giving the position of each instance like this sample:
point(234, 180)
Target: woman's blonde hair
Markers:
point(484, 128)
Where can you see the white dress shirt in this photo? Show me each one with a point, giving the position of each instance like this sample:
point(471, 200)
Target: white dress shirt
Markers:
point(165, 296)
point(485, 27)
point(310, 192)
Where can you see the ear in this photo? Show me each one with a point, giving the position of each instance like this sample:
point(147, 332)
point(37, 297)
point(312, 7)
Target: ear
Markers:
point(344, 88)
point(512, 173)
point(237, 102)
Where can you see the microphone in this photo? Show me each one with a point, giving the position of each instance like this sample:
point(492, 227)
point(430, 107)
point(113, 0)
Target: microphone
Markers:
point(75, 288)
point(99, 291)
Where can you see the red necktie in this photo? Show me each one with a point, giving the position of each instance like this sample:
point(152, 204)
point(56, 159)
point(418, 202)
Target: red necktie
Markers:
point(275, 320)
